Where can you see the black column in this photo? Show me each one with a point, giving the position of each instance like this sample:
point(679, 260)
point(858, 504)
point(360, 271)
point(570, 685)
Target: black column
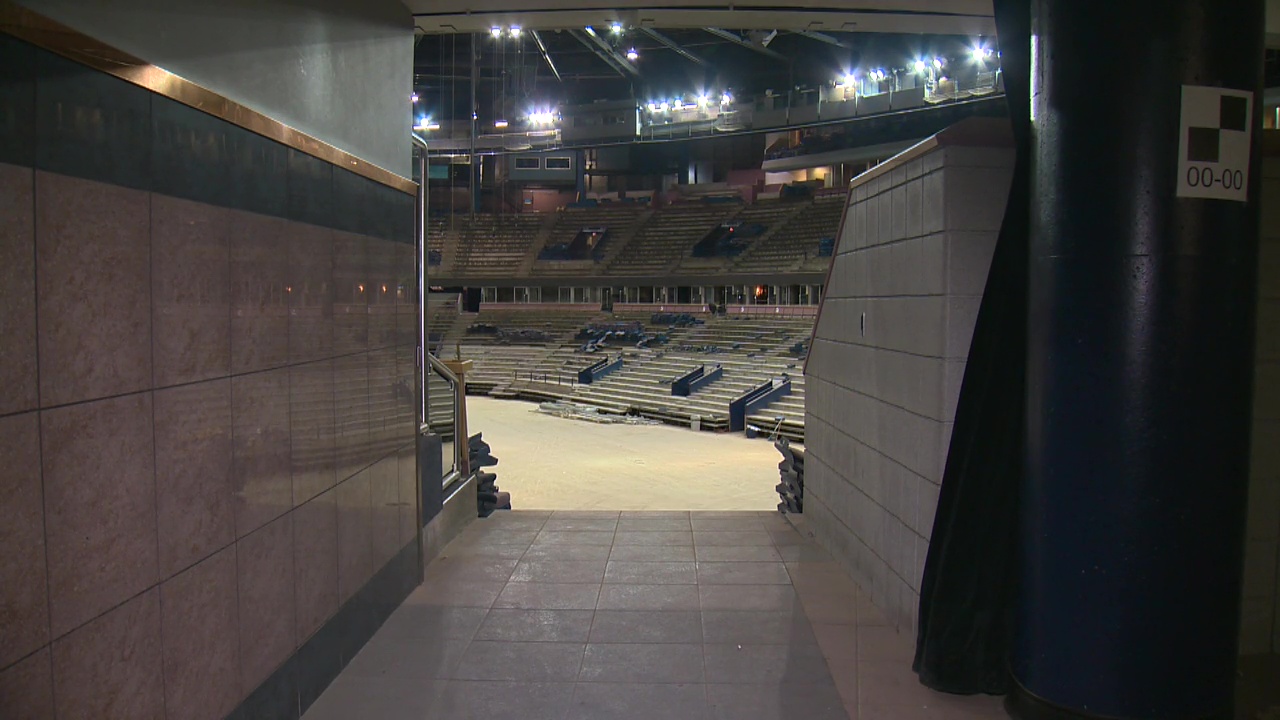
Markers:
point(1139, 366)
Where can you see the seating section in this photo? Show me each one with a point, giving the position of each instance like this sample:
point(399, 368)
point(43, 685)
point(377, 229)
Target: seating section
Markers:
point(767, 215)
point(783, 235)
point(667, 237)
point(534, 355)
point(620, 220)
point(494, 246)
point(794, 246)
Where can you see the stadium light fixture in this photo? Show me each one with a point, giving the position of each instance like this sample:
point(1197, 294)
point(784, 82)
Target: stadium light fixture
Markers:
point(938, 62)
point(702, 100)
point(920, 66)
point(500, 124)
point(726, 99)
point(616, 28)
point(632, 55)
point(413, 98)
point(980, 53)
point(496, 32)
point(515, 31)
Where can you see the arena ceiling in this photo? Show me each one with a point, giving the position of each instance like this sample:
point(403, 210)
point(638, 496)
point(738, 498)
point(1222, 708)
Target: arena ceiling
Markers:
point(575, 52)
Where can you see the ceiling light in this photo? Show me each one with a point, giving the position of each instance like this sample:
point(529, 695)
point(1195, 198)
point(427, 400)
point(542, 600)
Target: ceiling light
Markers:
point(702, 100)
point(495, 31)
point(938, 63)
point(981, 53)
point(413, 98)
point(500, 124)
point(515, 31)
point(725, 99)
point(920, 66)
point(632, 54)
point(616, 28)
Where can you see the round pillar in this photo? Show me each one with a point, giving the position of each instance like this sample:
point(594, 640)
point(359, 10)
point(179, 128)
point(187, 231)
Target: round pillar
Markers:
point(1139, 361)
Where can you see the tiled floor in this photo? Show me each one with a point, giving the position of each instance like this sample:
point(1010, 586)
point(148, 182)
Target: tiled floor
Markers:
point(603, 615)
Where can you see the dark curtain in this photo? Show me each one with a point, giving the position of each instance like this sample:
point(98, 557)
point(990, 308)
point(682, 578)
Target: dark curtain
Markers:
point(966, 595)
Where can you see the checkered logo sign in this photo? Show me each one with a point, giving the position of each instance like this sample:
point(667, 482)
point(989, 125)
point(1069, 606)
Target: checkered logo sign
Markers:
point(1214, 149)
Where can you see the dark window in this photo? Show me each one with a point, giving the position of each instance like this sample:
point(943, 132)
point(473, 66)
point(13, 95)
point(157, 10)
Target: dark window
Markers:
point(558, 163)
point(527, 163)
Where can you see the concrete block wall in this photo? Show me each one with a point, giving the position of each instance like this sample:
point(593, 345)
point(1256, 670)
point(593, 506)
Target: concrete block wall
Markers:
point(1260, 617)
point(889, 355)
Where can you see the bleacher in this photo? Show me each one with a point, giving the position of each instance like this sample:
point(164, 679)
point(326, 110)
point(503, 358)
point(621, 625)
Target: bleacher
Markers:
point(766, 215)
point(751, 349)
point(619, 219)
point(668, 236)
point(494, 245)
point(795, 246)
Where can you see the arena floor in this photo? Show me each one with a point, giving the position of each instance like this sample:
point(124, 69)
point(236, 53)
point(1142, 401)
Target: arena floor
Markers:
point(552, 463)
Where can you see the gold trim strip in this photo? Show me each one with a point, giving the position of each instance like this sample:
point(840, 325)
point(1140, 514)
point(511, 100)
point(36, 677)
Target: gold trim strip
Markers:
point(38, 30)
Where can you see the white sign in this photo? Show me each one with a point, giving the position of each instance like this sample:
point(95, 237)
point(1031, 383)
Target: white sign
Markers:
point(1213, 154)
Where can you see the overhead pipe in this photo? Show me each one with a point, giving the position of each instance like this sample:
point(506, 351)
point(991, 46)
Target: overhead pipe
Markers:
point(672, 44)
point(546, 55)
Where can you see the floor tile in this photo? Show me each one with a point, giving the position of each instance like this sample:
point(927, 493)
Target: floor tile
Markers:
point(787, 537)
point(884, 643)
point(754, 627)
point(646, 626)
point(654, 524)
point(891, 683)
point(642, 662)
point(652, 553)
point(520, 661)
point(580, 523)
point(653, 538)
point(470, 569)
point(775, 702)
point(731, 553)
point(567, 552)
point(737, 538)
point(830, 610)
point(638, 701)
point(838, 642)
point(766, 664)
point(652, 573)
point(490, 700)
point(559, 571)
point(390, 656)
point(742, 573)
point(715, 522)
point(549, 537)
point(489, 536)
point(549, 596)
point(456, 593)
point(648, 597)
point(803, 553)
point(385, 698)
point(434, 623)
point(748, 597)
point(536, 625)
point(488, 550)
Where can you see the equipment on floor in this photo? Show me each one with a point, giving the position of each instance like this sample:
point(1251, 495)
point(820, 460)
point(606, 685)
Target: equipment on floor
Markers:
point(488, 497)
point(791, 489)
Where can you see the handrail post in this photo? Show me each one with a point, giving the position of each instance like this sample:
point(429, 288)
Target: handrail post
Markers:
point(421, 242)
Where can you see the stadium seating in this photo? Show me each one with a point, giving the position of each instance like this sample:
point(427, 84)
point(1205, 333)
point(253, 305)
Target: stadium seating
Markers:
point(795, 246)
point(494, 245)
point(769, 215)
point(751, 349)
point(668, 236)
point(621, 220)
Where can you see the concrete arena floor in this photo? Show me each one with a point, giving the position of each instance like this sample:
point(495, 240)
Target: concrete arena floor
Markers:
point(551, 463)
